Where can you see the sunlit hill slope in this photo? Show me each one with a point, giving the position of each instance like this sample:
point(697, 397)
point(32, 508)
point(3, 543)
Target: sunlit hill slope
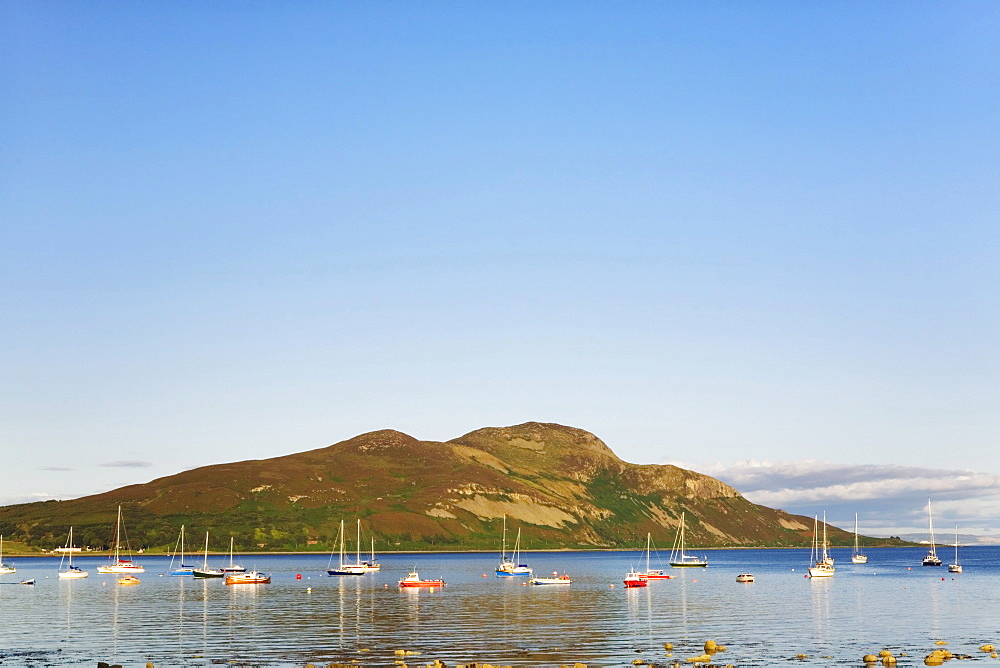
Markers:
point(562, 486)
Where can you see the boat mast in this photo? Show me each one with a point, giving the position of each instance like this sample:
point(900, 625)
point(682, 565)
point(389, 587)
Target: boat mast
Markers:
point(118, 528)
point(647, 551)
point(930, 528)
point(956, 543)
point(341, 544)
point(825, 555)
point(357, 559)
point(814, 553)
point(503, 541)
point(206, 550)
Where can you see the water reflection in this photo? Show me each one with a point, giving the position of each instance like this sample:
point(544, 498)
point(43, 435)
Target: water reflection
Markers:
point(501, 621)
point(820, 594)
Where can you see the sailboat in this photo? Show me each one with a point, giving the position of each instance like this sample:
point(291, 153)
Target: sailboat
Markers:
point(955, 567)
point(232, 567)
point(205, 571)
point(184, 569)
point(5, 568)
point(120, 564)
point(678, 559)
point(344, 568)
point(857, 557)
point(822, 564)
point(71, 572)
point(372, 564)
point(508, 566)
point(653, 573)
point(931, 559)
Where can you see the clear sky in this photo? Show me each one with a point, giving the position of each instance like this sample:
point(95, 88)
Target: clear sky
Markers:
point(708, 232)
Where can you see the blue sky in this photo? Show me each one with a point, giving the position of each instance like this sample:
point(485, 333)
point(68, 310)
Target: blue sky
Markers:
point(710, 233)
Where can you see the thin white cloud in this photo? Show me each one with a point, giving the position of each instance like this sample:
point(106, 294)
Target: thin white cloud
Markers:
point(128, 464)
point(26, 498)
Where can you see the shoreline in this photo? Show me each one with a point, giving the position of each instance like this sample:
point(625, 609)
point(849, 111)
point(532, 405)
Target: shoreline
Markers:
point(107, 553)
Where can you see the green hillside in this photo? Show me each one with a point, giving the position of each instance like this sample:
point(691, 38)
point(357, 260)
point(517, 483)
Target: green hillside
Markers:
point(563, 486)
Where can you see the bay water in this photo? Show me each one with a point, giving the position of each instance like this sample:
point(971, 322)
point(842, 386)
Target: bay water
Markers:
point(892, 603)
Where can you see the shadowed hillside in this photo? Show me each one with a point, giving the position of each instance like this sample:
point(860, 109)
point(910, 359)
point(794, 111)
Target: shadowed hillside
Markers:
point(563, 486)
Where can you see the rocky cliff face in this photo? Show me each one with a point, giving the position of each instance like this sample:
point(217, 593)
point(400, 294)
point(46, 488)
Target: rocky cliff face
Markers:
point(564, 486)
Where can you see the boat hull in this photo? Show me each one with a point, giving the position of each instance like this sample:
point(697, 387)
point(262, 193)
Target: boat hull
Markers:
point(550, 581)
point(73, 575)
point(121, 568)
point(633, 579)
point(248, 578)
point(421, 583)
point(207, 574)
point(859, 559)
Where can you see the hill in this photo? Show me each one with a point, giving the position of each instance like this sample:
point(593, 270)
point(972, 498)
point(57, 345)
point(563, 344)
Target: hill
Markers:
point(564, 486)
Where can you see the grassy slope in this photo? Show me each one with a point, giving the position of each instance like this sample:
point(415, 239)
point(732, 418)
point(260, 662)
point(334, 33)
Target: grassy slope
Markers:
point(564, 486)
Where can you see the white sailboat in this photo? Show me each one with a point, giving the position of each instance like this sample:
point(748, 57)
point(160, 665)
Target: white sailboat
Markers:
point(344, 568)
point(508, 566)
point(858, 557)
point(72, 572)
point(678, 558)
point(653, 573)
point(372, 564)
point(955, 567)
point(931, 559)
point(5, 568)
point(119, 563)
point(822, 563)
point(205, 571)
point(232, 567)
point(183, 569)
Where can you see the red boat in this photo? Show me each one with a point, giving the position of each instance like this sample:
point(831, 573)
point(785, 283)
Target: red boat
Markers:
point(633, 579)
point(656, 574)
point(413, 580)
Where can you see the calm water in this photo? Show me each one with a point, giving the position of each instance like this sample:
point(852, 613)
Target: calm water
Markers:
point(892, 602)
